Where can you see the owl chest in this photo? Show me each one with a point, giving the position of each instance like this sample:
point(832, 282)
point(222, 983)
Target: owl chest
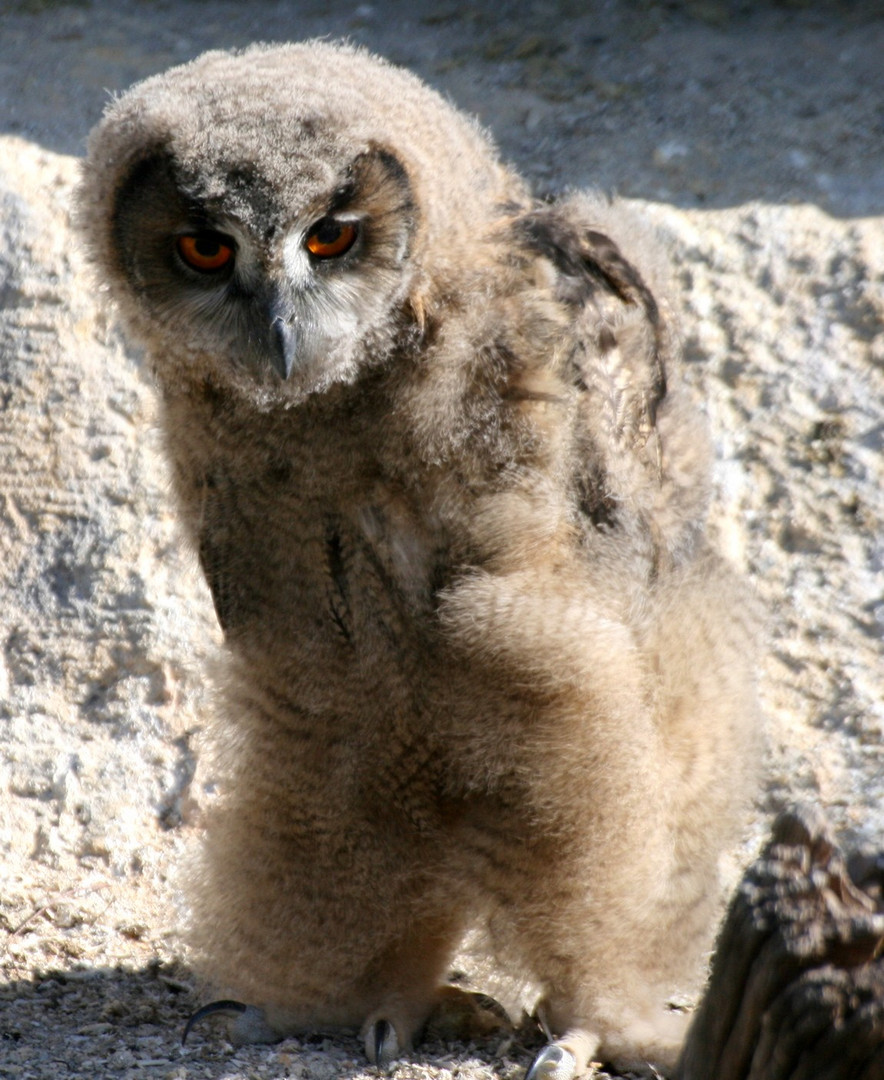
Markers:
point(311, 561)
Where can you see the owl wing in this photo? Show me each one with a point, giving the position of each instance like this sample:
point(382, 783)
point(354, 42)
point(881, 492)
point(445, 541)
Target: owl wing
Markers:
point(614, 351)
point(621, 339)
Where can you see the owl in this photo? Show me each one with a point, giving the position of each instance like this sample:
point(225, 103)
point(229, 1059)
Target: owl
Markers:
point(483, 676)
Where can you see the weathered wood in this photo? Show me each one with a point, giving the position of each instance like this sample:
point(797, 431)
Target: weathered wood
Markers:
point(797, 984)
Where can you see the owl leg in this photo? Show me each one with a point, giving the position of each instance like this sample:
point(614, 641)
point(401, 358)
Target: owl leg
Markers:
point(455, 1014)
point(381, 1043)
point(644, 1045)
point(565, 1058)
point(386, 1040)
point(408, 977)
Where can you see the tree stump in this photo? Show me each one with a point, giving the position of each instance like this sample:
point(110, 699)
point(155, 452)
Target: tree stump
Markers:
point(796, 990)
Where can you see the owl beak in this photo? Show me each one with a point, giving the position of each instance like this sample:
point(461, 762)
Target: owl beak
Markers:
point(283, 346)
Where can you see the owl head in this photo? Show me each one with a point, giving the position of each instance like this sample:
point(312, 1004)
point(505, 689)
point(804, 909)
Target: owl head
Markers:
point(276, 219)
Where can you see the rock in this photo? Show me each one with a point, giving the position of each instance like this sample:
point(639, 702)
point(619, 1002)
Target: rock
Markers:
point(103, 612)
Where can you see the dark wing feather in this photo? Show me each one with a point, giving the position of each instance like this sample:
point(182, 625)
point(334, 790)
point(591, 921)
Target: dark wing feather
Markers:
point(212, 561)
point(218, 553)
point(621, 337)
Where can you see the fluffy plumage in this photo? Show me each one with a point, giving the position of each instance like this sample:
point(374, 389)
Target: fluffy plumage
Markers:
point(483, 673)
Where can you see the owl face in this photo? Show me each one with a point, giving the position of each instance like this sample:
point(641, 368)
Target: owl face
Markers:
point(283, 292)
point(272, 220)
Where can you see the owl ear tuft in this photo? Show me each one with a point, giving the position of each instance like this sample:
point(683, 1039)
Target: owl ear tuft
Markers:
point(378, 175)
point(380, 162)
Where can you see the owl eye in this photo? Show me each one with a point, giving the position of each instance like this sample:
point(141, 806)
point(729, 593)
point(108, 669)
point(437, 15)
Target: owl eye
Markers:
point(207, 252)
point(330, 238)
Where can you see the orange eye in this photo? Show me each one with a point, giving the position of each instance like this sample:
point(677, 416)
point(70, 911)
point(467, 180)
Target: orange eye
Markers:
point(329, 238)
point(205, 251)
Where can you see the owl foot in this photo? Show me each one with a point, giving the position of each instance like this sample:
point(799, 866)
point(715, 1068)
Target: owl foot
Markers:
point(454, 1015)
point(566, 1057)
point(249, 1025)
point(382, 1044)
point(464, 1015)
point(553, 1062)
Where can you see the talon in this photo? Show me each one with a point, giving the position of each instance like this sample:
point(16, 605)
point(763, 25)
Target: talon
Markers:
point(250, 1025)
point(553, 1063)
point(224, 1006)
point(381, 1043)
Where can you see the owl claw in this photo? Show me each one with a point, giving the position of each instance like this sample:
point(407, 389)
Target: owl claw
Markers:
point(207, 1010)
point(249, 1026)
point(553, 1063)
point(381, 1043)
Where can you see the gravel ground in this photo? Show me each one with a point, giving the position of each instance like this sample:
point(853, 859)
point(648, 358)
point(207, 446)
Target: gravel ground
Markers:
point(752, 135)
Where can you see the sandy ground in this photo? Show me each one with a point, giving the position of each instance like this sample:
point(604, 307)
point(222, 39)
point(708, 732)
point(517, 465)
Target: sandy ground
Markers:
point(752, 135)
